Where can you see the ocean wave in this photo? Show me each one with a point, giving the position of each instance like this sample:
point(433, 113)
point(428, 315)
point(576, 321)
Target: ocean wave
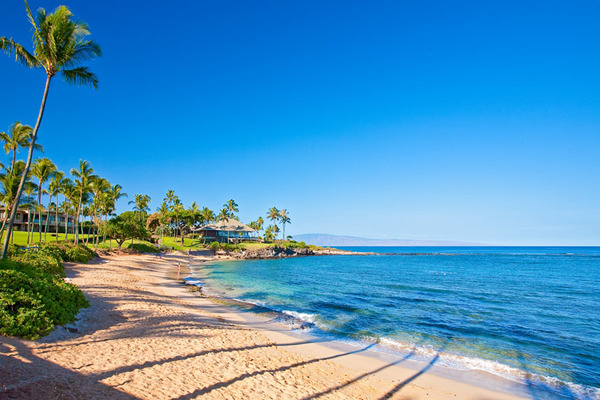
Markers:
point(467, 363)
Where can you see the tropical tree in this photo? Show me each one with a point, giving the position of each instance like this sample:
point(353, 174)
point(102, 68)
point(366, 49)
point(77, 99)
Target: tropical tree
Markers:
point(100, 188)
point(59, 45)
point(285, 219)
point(20, 136)
point(43, 169)
point(84, 175)
point(208, 215)
point(9, 184)
point(273, 215)
point(54, 189)
point(268, 235)
point(231, 207)
point(140, 204)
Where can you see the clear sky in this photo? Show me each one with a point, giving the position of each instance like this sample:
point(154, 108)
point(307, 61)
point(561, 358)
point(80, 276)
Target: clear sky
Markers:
point(475, 121)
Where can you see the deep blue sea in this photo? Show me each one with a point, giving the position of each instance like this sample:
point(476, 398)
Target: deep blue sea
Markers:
point(529, 314)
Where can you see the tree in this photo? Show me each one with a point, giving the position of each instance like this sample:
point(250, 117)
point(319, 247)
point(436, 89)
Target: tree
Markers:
point(54, 189)
point(100, 189)
point(285, 219)
point(20, 136)
point(60, 45)
point(273, 215)
point(43, 169)
point(125, 226)
point(268, 236)
point(140, 203)
point(84, 175)
point(231, 207)
point(9, 184)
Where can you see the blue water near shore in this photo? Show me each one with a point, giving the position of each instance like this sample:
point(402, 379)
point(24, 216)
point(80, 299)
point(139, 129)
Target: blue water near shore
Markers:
point(528, 314)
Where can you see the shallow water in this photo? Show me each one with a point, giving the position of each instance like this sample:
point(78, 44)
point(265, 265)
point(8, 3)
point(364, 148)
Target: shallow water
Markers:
point(528, 314)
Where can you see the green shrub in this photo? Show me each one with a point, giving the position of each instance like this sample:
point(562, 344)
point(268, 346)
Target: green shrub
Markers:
point(33, 301)
point(69, 252)
point(144, 248)
point(228, 247)
point(45, 262)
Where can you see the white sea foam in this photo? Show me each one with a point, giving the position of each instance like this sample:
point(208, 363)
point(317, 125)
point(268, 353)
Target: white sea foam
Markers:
point(465, 363)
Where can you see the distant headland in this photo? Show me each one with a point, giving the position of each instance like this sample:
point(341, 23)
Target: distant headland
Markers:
point(321, 239)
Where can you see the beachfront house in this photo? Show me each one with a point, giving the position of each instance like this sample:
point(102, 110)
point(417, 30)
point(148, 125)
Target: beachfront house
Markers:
point(227, 231)
point(25, 218)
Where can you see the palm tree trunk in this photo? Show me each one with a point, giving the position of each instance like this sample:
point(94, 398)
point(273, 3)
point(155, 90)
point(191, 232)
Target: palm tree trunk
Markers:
point(56, 221)
point(13, 212)
point(78, 211)
point(47, 219)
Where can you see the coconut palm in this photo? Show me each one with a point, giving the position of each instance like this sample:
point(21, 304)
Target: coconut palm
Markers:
point(140, 204)
point(60, 45)
point(273, 215)
point(9, 183)
point(43, 169)
point(208, 215)
point(70, 194)
point(20, 136)
point(54, 189)
point(285, 219)
point(170, 198)
point(84, 175)
point(231, 207)
point(100, 188)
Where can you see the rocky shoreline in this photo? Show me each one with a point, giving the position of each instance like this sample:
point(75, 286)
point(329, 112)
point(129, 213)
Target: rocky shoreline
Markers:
point(285, 252)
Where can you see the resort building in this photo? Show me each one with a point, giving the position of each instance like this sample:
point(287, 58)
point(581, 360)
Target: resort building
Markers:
point(227, 231)
point(24, 218)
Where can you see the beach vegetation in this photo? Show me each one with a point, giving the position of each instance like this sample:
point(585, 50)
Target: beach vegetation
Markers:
point(125, 226)
point(144, 247)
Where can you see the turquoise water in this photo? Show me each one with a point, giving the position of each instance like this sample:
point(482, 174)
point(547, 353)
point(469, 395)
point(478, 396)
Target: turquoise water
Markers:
point(531, 314)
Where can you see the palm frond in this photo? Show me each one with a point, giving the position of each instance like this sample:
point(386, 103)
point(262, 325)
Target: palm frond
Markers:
point(9, 46)
point(81, 76)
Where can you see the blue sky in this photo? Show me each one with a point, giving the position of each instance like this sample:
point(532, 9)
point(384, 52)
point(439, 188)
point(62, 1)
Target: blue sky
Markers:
point(471, 121)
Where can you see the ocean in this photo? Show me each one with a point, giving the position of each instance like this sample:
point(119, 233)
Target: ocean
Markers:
point(527, 314)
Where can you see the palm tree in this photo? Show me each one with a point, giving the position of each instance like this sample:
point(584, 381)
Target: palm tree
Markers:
point(30, 191)
point(84, 177)
point(224, 216)
point(140, 204)
point(70, 193)
point(54, 189)
point(20, 136)
point(60, 45)
point(194, 215)
point(273, 215)
point(285, 219)
point(207, 215)
point(231, 207)
point(170, 197)
point(100, 188)
point(110, 203)
point(43, 169)
point(9, 184)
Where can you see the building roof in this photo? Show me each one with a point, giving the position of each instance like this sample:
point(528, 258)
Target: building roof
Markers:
point(229, 226)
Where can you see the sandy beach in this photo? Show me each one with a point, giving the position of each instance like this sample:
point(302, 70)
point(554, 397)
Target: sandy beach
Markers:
point(147, 336)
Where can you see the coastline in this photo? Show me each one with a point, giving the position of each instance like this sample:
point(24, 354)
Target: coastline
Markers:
point(148, 336)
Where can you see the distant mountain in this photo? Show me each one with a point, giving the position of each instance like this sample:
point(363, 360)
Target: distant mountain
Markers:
point(321, 239)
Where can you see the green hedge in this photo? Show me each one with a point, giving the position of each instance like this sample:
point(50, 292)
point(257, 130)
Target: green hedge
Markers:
point(144, 248)
point(33, 295)
point(228, 247)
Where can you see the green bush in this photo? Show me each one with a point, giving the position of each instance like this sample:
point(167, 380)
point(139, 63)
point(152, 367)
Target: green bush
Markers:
point(228, 247)
point(33, 301)
point(68, 252)
point(144, 248)
point(46, 262)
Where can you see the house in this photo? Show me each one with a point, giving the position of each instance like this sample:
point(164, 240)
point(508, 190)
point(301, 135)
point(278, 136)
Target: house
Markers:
point(25, 217)
point(227, 231)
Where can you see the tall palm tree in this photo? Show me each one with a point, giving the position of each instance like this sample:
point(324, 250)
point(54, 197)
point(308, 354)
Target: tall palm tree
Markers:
point(285, 219)
point(100, 188)
point(9, 183)
point(60, 45)
point(70, 193)
point(54, 189)
point(170, 197)
point(84, 175)
point(20, 136)
point(110, 203)
point(231, 207)
point(140, 204)
point(43, 169)
point(273, 215)
point(207, 215)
